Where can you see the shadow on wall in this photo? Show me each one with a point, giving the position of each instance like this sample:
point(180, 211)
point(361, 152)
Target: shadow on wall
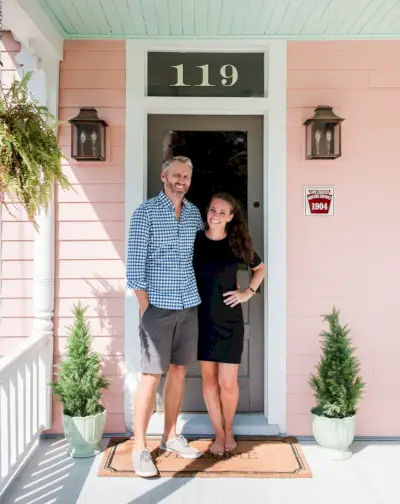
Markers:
point(90, 265)
point(113, 350)
point(104, 301)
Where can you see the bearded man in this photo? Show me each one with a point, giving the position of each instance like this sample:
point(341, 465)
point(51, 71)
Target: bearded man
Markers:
point(160, 272)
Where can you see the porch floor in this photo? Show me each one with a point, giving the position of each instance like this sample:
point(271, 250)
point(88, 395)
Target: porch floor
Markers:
point(370, 477)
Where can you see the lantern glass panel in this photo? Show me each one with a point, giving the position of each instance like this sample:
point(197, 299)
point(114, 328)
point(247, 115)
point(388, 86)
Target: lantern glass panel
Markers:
point(88, 141)
point(309, 140)
point(336, 139)
point(74, 142)
point(102, 141)
point(325, 138)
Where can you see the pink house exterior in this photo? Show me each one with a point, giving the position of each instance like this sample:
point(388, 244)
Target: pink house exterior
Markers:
point(349, 260)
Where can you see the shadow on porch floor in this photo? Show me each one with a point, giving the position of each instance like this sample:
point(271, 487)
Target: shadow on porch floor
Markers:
point(51, 477)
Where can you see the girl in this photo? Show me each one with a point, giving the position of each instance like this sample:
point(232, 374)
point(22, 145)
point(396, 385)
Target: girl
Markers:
point(217, 251)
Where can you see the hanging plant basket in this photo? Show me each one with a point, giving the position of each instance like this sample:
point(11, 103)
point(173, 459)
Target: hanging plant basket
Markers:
point(30, 159)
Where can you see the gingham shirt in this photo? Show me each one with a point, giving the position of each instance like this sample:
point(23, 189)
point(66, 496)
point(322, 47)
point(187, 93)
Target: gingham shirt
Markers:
point(160, 253)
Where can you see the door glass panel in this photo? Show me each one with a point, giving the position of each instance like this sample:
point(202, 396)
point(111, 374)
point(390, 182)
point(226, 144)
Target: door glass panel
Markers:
point(219, 163)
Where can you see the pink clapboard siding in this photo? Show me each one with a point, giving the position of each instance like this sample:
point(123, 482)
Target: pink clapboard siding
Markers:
point(352, 259)
point(17, 235)
point(90, 221)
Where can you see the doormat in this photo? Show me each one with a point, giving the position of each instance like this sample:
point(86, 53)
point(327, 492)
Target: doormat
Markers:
point(255, 457)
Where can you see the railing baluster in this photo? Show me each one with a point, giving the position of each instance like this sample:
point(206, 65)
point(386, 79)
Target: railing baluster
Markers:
point(35, 395)
point(28, 402)
point(1, 431)
point(13, 419)
point(4, 427)
point(21, 396)
point(45, 375)
point(25, 407)
point(41, 391)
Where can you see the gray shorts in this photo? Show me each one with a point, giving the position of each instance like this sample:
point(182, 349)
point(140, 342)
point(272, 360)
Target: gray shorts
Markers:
point(168, 337)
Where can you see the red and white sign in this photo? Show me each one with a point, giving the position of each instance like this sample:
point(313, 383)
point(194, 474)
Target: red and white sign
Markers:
point(319, 200)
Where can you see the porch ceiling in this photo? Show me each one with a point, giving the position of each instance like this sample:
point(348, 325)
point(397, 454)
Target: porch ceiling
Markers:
point(293, 19)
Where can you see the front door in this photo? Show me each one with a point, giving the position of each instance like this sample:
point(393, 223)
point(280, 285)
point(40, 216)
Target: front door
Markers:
point(227, 155)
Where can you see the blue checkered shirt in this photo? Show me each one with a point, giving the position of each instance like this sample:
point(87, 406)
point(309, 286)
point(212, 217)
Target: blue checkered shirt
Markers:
point(160, 253)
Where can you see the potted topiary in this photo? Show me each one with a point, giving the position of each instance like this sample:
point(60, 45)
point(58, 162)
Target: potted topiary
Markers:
point(30, 159)
point(338, 388)
point(78, 388)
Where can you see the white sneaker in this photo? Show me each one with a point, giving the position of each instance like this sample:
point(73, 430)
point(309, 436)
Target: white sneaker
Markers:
point(180, 446)
point(143, 464)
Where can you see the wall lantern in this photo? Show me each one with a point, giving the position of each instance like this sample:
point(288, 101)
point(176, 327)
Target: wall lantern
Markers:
point(323, 134)
point(88, 136)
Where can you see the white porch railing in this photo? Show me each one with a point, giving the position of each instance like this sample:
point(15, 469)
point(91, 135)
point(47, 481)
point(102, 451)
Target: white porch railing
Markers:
point(25, 402)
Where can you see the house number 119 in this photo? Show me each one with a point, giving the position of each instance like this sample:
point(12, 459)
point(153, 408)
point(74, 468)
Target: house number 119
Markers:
point(229, 74)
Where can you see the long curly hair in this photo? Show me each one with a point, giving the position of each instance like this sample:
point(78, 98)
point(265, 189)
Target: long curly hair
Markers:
point(239, 237)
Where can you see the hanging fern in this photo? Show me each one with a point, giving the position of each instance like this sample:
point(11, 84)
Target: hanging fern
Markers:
point(30, 159)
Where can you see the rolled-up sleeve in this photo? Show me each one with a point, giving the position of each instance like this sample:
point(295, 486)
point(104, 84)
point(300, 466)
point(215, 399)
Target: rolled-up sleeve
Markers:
point(200, 223)
point(138, 239)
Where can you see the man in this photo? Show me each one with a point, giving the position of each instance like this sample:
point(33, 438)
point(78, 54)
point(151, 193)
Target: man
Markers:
point(159, 270)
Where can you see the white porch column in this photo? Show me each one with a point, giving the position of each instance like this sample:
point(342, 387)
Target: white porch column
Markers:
point(41, 52)
point(43, 85)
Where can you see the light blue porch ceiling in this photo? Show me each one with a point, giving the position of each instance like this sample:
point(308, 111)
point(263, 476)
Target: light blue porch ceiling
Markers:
point(293, 19)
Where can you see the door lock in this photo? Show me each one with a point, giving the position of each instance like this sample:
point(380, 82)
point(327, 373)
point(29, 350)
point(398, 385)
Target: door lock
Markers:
point(256, 204)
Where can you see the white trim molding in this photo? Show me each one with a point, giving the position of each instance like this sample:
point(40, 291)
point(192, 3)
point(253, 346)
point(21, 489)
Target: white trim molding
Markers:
point(275, 238)
point(31, 26)
point(273, 110)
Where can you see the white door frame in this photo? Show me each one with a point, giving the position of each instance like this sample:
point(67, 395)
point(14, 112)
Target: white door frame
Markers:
point(273, 110)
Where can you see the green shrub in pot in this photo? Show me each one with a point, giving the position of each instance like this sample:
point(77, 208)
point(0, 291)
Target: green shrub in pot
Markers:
point(78, 386)
point(338, 388)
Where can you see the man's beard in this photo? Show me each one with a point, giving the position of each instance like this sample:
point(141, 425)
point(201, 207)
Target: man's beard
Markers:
point(175, 191)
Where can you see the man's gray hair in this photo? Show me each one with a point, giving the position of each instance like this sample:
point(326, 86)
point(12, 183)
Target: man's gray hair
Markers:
point(180, 159)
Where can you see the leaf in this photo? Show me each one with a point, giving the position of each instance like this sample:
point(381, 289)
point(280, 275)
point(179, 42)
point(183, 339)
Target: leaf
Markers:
point(79, 379)
point(337, 384)
point(30, 159)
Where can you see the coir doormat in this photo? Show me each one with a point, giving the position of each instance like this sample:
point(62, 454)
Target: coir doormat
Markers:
point(255, 457)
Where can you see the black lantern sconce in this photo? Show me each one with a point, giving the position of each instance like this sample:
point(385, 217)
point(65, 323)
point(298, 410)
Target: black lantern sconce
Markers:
point(323, 134)
point(88, 136)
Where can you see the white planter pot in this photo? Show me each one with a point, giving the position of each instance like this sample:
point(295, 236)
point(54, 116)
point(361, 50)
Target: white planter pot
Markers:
point(84, 434)
point(334, 435)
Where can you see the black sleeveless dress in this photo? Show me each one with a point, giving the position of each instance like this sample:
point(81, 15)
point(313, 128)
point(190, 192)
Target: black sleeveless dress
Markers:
point(221, 327)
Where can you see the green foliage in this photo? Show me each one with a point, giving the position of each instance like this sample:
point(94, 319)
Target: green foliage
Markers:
point(80, 381)
point(30, 159)
point(337, 385)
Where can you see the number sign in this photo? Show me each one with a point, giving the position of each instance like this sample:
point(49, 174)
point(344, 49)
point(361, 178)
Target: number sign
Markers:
point(319, 200)
point(205, 74)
